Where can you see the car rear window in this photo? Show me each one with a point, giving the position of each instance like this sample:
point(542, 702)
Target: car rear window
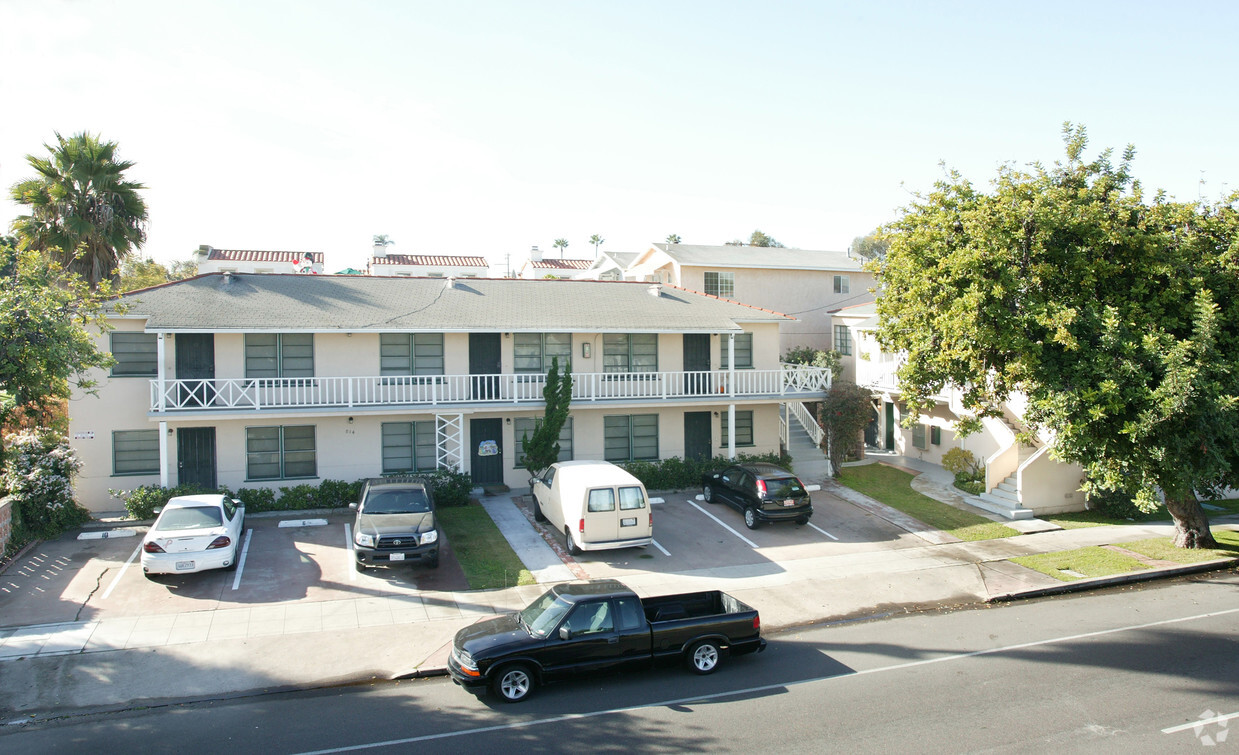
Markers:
point(784, 487)
point(193, 518)
point(602, 499)
point(631, 498)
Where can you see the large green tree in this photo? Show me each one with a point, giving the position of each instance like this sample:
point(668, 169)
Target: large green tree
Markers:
point(870, 246)
point(1115, 314)
point(137, 272)
point(82, 209)
point(45, 348)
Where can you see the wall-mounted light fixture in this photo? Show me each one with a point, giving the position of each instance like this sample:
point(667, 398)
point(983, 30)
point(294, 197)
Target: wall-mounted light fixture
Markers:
point(507, 335)
point(171, 431)
point(716, 414)
point(585, 350)
point(350, 420)
point(507, 420)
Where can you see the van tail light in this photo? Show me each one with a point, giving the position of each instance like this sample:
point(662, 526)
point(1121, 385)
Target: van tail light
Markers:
point(581, 526)
point(152, 547)
point(757, 621)
point(220, 542)
point(761, 488)
point(651, 516)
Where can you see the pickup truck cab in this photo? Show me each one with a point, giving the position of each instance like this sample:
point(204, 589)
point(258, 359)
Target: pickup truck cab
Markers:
point(595, 505)
point(601, 625)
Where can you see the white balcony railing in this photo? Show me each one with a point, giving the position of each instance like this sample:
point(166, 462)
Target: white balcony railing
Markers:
point(436, 390)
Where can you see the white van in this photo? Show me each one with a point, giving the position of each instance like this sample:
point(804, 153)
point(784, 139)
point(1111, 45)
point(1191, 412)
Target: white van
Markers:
point(594, 504)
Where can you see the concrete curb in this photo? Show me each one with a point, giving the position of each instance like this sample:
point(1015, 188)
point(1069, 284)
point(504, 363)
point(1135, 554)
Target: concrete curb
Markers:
point(1116, 579)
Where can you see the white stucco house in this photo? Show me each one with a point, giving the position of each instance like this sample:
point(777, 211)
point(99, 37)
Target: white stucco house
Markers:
point(212, 260)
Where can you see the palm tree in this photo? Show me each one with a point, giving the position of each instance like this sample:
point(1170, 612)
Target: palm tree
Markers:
point(561, 245)
point(673, 239)
point(382, 239)
point(82, 210)
point(597, 241)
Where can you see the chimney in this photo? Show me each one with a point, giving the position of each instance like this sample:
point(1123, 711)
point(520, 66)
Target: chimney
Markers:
point(380, 251)
point(534, 254)
point(203, 254)
point(656, 289)
point(451, 281)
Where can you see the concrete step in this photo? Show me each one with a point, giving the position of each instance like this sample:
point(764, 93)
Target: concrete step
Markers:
point(1009, 486)
point(1005, 495)
point(1009, 509)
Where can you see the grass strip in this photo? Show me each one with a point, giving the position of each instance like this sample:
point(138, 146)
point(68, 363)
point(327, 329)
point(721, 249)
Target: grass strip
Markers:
point(1162, 548)
point(894, 488)
point(1093, 561)
point(1097, 518)
point(481, 549)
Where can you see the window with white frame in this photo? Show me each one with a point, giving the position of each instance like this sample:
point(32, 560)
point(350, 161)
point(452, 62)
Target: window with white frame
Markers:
point(409, 447)
point(722, 285)
point(280, 453)
point(843, 340)
point(629, 437)
point(841, 284)
point(630, 352)
point(743, 348)
point(410, 354)
point(135, 452)
point(744, 428)
point(533, 352)
point(524, 426)
point(136, 354)
point(276, 355)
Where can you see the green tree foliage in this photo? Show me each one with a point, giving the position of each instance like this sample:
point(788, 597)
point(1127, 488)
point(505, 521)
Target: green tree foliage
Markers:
point(138, 273)
point(83, 210)
point(38, 474)
point(871, 246)
point(843, 416)
point(542, 450)
point(1117, 317)
point(382, 239)
point(561, 245)
point(44, 345)
point(760, 239)
point(673, 238)
point(597, 241)
point(814, 358)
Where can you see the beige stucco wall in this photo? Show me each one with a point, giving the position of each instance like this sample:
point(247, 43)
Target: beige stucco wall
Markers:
point(1051, 487)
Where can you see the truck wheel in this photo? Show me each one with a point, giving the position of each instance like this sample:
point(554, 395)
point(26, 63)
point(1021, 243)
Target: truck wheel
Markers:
point(433, 563)
point(750, 518)
point(802, 520)
point(708, 493)
point(569, 545)
point(512, 684)
point(361, 569)
point(703, 657)
point(538, 516)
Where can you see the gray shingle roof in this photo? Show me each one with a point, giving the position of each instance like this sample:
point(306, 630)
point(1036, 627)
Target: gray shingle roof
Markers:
point(241, 302)
point(760, 257)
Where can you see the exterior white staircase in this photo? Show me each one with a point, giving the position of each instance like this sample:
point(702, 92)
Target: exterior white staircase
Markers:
point(1004, 498)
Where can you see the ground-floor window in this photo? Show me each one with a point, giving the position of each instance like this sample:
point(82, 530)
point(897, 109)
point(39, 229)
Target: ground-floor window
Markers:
point(629, 437)
point(409, 447)
point(744, 428)
point(135, 452)
point(280, 453)
point(526, 425)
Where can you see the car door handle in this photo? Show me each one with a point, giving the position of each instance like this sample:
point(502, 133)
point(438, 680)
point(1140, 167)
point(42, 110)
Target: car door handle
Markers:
point(613, 641)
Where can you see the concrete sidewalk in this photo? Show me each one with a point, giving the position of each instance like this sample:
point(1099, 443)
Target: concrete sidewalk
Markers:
point(116, 663)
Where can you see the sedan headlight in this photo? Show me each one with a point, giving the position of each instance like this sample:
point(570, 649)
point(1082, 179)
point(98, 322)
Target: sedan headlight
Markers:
point(362, 538)
point(430, 537)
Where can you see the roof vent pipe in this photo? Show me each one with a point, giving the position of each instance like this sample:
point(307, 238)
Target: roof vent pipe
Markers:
point(656, 290)
point(451, 281)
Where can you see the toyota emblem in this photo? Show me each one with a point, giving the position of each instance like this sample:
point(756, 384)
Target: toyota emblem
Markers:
point(396, 542)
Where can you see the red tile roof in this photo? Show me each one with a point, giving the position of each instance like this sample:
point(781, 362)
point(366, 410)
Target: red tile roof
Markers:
point(250, 255)
point(429, 260)
point(561, 264)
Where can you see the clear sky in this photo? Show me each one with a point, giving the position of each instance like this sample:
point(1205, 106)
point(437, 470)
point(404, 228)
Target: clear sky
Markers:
point(483, 128)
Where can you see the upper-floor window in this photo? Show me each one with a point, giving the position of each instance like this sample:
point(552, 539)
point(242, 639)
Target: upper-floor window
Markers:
point(721, 284)
point(411, 353)
point(841, 284)
point(843, 340)
point(533, 352)
point(744, 351)
point(630, 352)
point(274, 355)
point(135, 354)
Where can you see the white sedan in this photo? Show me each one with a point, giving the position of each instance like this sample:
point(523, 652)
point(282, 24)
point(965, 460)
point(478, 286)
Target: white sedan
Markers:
point(194, 533)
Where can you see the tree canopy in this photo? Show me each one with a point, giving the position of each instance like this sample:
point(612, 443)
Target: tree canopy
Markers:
point(561, 245)
point(597, 241)
point(1115, 315)
point(138, 273)
point(871, 246)
point(756, 238)
point(82, 209)
point(673, 238)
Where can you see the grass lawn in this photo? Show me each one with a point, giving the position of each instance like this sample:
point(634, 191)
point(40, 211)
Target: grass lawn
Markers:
point(484, 554)
point(894, 488)
point(1086, 562)
point(1096, 518)
point(1163, 548)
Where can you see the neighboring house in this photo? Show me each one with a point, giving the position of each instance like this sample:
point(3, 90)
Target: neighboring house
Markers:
point(537, 268)
point(212, 260)
point(274, 380)
point(1021, 481)
point(610, 266)
point(804, 284)
point(426, 265)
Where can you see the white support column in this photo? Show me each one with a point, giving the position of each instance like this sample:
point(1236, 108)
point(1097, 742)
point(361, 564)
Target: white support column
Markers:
point(160, 373)
point(731, 431)
point(163, 447)
point(731, 366)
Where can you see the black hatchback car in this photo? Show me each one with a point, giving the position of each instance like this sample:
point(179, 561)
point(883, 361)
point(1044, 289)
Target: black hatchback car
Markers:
point(762, 492)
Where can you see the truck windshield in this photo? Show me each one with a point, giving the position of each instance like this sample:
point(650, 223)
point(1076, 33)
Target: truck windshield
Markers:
point(544, 613)
point(397, 502)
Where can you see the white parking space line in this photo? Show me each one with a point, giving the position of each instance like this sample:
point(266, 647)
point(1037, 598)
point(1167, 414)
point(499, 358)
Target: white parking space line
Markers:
point(348, 548)
point(304, 523)
point(120, 573)
point(824, 532)
point(659, 547)
point(1201, 723)
point(722, 524)
point(245, 549)
point(106, 534)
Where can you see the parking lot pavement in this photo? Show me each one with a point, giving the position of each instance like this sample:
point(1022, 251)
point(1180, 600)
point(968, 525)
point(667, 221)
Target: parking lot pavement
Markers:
point(77, 580)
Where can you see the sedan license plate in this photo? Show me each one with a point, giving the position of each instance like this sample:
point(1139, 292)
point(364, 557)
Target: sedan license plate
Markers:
point(789, 502)
point(629, 522)
point(396, 557)
point(184, 565)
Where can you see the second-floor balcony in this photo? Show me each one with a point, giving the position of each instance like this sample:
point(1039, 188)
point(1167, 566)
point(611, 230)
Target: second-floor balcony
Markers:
point(259, 394)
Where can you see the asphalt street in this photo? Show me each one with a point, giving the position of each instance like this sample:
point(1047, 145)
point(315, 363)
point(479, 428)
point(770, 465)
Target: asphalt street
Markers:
point(1148, 668)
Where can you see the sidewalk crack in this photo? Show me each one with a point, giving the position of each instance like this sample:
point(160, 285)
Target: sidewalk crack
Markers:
point(98, 583)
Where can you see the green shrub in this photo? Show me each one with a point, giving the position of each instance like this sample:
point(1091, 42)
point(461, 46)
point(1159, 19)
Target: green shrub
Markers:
point(141, 502)
point(449, 488)
point(961, 462)
point(1115, 504)
point(256, 499)
point(297, 498)
point(38, 475)
point(975, 487)
point(335, 494)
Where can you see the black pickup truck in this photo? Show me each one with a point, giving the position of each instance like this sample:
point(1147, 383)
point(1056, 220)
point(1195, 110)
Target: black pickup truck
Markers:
point(600, 625)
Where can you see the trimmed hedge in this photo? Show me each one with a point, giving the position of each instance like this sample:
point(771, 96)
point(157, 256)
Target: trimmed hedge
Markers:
point(681, 474)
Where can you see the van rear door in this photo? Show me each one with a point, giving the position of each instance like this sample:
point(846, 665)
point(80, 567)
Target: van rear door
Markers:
point(601, 516)
point(634, 513)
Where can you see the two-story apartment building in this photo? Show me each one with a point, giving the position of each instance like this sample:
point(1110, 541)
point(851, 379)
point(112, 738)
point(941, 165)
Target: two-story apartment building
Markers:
point(805, 284)
point(212, 260)
point(272, 380)
point(426, 265)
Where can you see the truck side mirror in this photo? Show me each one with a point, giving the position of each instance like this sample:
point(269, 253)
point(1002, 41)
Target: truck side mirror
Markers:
point(352, 506)
point(565, 633)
